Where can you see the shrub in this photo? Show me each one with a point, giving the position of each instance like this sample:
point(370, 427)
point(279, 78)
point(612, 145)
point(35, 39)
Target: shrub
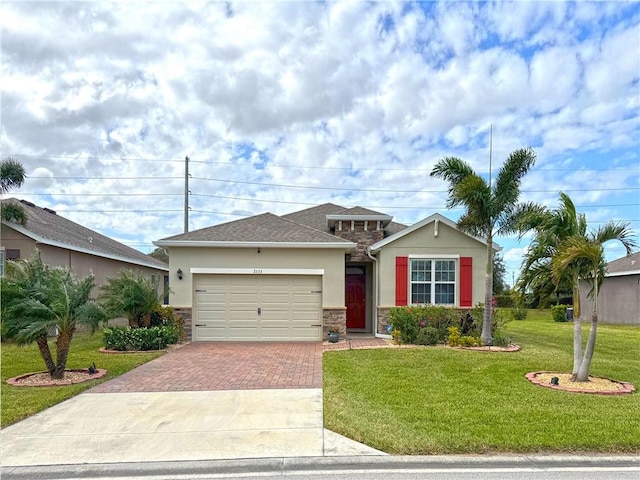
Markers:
point(519, 312)
point(504, 301)
point(127, 338)
point(453, 339)
point(410, 321)
point(559, 313)
point(429, 336)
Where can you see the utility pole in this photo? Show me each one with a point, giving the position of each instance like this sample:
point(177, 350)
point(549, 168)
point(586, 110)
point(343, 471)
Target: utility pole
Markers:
point(186, 194)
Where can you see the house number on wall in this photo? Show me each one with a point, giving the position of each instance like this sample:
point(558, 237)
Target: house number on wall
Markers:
point(257, 270)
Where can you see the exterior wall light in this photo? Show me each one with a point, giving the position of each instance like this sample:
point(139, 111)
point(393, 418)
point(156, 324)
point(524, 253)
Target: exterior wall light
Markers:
point(179, 272)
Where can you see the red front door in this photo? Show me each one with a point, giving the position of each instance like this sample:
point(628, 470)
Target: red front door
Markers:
point(356, 300)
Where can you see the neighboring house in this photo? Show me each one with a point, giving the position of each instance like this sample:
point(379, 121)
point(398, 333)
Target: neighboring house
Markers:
point(64, 243)
point(291, 277)
point(619, 296)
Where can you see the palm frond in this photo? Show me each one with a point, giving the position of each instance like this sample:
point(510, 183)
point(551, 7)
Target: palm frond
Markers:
point(616, 231)
point(12, 175)
point(11, 212)
point(506, 189)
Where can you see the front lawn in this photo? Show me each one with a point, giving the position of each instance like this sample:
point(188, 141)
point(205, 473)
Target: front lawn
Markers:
point(20, 402)
point(436, 400)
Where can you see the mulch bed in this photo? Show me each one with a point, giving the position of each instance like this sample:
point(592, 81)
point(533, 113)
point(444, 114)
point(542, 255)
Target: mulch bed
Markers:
point(595, 385)
point(43, 379)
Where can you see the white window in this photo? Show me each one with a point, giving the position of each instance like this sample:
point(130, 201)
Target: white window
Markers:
point(433, 281)
point(2, 262)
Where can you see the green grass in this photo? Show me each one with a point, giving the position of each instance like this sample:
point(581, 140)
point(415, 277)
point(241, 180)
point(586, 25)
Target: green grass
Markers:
point(437, 400)
point(20, 402)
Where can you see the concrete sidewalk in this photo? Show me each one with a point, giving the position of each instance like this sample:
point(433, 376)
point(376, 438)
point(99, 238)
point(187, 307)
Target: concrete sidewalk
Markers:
point(94, 428)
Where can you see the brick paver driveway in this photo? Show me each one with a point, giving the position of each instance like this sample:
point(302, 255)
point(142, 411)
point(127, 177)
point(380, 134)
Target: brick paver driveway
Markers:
point(225, 366)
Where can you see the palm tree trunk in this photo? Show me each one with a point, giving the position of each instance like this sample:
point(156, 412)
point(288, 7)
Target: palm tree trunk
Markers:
point(585, 366)
point(45, 352)
point(63, 343)
point(486, 337)
point(577, 333)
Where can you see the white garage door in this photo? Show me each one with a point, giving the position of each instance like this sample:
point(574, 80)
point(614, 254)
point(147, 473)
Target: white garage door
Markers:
point(257, 307)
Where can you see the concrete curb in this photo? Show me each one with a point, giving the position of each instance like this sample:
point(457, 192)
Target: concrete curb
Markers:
point(313, 464)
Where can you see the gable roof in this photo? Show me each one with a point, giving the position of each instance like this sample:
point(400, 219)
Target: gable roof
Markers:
point(416, 226)
point(627, 265)
point(316, 217)
point(266, 229)
point(45, 226)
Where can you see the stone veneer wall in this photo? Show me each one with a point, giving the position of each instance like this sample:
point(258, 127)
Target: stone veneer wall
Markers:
point(363, 238)
point(383, 317)
point(337, 317)
point(185, 313)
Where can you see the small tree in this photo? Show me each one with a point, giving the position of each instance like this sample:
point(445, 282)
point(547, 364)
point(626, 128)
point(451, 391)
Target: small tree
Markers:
point(573, 253)
point(12, 175)
point(37, 299)
point(490, 208)
point(130, 295)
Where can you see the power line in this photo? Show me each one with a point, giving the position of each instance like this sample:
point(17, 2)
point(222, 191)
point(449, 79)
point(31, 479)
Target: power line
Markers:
point(277, 165)
point(313, 187)
point(111, 194)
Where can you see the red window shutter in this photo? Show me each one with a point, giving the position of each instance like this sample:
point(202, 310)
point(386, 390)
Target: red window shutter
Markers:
point(402, 280)
point(466, 282)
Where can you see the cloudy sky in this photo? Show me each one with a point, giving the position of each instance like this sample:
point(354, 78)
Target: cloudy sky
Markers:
point(285, 105)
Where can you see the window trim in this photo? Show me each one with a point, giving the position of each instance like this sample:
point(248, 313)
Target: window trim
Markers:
point(456, 283)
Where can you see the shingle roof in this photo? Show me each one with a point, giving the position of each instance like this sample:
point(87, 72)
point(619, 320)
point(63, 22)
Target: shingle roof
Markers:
point(359, 211)
point(316, 217)
point(260, 228)
point(47, 226)
point(628, 263)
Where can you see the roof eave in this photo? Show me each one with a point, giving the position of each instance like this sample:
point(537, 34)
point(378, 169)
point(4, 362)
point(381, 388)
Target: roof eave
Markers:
point(232, 244)
point(333, 218)
point(75, 248)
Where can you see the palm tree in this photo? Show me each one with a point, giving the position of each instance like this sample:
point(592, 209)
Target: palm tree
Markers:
point(491, 209)
point(37, 299)
point(130, 295)
point(12, 175)
point(552, 228)
point(577, 250)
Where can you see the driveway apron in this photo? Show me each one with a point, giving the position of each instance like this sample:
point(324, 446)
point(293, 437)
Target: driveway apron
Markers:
point(203, 401)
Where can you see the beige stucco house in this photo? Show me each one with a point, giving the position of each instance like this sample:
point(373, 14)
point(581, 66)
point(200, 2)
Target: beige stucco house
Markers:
point(294, 276)
point(619, 296)
point(65, 243)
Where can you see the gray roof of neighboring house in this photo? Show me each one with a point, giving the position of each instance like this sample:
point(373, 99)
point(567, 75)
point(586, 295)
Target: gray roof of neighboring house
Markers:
point(316, 217)
point(260, 228)
point(628, 263)
point(47, 227)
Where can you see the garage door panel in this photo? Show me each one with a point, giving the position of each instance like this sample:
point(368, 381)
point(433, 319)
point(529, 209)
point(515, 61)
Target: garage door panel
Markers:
point(211, 333)
point(211, 316)
point(226, 307)
point(239, 332)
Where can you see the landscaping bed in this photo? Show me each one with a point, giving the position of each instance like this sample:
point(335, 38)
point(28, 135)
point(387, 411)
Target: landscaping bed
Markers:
point(21, 402)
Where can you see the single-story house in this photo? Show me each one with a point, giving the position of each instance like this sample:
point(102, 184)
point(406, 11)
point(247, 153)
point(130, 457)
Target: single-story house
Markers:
point(65, 243)
point(292, 277)
point(619, 295)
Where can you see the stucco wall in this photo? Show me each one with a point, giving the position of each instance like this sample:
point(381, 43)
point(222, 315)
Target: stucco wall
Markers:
point(80, 263)
point(618, 301)
point(184, 258)
point(423, 242)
